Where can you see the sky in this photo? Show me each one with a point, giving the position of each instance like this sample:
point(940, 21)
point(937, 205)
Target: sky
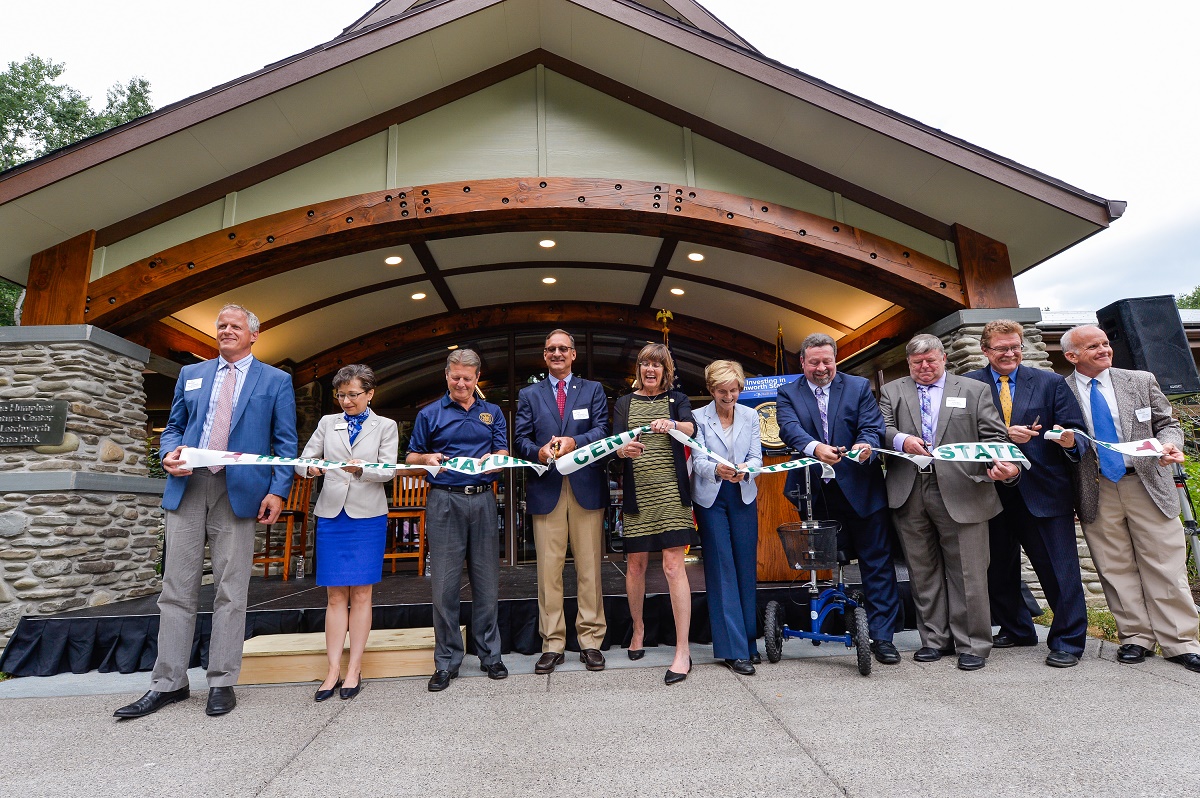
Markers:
point(1100, 94)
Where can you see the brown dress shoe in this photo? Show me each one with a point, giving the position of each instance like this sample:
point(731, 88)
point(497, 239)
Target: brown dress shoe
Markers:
point(592, 658)
point(547, 662)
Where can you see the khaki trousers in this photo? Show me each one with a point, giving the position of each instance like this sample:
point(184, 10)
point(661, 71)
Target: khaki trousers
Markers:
point(585, 530)
point(1141, 557)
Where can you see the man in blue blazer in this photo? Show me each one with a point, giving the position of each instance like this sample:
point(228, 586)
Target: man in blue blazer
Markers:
point(1039, 510)
point(233, 403)
point(825, 415)
point(554, 417)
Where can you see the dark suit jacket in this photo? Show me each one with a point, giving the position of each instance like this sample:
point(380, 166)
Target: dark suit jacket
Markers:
point(264, 422)
point(967, 490)
point(854, 417)
point(1048, 487)
point(1134, 390)
point(537, 422)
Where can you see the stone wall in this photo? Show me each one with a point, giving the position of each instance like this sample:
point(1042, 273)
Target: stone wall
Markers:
point(1093, 593)
point(79, 521)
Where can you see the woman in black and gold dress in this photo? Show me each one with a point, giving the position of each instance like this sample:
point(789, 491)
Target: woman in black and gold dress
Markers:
point(658, 503)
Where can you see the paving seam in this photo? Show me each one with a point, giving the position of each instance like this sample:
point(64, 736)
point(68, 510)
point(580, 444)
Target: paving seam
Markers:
point(279, 771)
point(744, 682)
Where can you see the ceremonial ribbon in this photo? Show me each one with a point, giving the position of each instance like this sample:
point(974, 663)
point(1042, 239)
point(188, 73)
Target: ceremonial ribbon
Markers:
point(1147, 447)
point(971, 452)
point(201, 458)
point(583, 456)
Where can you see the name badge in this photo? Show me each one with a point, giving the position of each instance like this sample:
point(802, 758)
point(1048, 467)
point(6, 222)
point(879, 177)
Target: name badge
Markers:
point(1143, 414)
point(580, 414)
point(339, 426)
point(956, 401)
point(192, 385)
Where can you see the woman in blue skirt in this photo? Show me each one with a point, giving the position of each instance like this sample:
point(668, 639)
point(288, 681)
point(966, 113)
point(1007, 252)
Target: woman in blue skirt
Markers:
point(351, 520)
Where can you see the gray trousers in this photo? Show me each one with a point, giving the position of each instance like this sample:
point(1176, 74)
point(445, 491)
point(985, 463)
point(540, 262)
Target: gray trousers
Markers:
point(458, 527)
point(204, 514)
point(948, 564)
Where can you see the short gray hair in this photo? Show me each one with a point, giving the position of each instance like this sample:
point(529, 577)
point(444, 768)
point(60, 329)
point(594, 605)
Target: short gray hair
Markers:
point(251, 319)
point(560, 331)
point(463, 357)
point(355, 371)
point(1067, 342)
point(922, 343)
point(815, 340)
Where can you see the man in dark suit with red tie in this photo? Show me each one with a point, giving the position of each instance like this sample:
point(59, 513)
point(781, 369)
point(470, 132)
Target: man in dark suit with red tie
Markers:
point(555, 417)
point(1039, 510)
point(857, 498)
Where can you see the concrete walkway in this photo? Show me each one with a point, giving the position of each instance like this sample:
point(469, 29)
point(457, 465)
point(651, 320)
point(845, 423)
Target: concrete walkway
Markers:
point(806, 726)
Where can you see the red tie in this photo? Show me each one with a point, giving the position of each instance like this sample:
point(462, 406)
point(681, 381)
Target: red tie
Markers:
point(218, 436)
point(562, 398)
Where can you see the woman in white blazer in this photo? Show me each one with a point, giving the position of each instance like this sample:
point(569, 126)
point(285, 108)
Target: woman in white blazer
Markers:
point(351, 520)
point(726, 503)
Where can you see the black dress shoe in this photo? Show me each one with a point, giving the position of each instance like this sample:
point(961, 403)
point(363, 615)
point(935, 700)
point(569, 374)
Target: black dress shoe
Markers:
point(742, 667)
point(1132, 654)
point(151, 702)
point(325, 695)
point(221, 701)
point(928, 654)
point(495, 671)
point(885, 652)
point(1004, 640)
point(1189, 661)
point(672, 677)
point(636, 653)
point(1061, 659)
point(346, 693)
point(548, 661)
point(440, 680)
point(756, 658)
point(592, 659)
point(970, 662)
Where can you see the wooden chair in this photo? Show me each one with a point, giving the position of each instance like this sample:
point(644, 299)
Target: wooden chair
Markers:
point(409, 492)
point(294, 514)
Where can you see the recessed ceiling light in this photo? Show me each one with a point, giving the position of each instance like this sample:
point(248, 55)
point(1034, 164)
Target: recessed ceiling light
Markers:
point(452, 347)
point(695, 256)
point(549, 280)
point(418, 295)
point(394, 260)
point(677, 291)
point(546, 243)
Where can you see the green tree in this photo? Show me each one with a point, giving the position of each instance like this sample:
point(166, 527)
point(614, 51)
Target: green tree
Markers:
point(38, 115)
point(10, 292)
point(1190, 300)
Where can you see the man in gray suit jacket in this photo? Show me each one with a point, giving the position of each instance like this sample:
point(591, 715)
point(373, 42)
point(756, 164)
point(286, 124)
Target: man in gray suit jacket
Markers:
point(1129, 506)
point(942, 512)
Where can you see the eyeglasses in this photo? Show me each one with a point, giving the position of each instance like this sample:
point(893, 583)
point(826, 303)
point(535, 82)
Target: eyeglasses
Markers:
point(1004, 350)
point(341, 397)
point(550, 350)
point(649, 364)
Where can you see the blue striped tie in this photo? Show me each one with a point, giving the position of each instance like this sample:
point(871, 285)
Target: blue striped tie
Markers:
point(1112, 464)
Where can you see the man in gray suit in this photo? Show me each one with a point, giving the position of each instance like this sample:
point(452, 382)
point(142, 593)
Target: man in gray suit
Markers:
point(942, 512)
point(1129, 506)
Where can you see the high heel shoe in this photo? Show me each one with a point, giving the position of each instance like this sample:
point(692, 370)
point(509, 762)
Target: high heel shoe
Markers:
point(325, 695)
point(636, 653)
point(672, 677)
point(346, 693)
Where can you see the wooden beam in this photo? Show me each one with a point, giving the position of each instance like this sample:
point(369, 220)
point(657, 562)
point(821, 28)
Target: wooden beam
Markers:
point(430, 265)
point(665, 253)
point(449, 328)
point(57, 291)
point(169, 342)
point(899, 327)
point(987, 278)
point(212, 264)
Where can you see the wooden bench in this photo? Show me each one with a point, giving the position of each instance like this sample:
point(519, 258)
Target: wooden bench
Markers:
point(275, 659)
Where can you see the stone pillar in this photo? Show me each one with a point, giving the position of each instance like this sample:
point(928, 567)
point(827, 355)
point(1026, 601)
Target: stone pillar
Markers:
point(79, 521)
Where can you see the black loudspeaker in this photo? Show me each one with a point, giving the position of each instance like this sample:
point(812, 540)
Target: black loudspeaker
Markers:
point(1147, 334)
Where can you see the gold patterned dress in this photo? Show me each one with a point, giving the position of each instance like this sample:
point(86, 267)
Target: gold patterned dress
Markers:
point(662, 521)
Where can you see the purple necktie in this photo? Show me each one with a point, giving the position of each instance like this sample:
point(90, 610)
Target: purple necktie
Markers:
point(823, 406)
point(218, 437)
point(926, 415)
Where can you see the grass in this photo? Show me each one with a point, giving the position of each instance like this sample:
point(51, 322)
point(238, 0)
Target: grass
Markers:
point(1101, 623)
point(4, 676)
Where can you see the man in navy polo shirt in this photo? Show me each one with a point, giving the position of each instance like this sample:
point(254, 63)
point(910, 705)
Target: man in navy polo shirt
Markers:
point(460, 517)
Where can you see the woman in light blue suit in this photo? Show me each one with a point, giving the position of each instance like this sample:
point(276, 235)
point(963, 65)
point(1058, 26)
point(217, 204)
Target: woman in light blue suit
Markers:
point(726, 503)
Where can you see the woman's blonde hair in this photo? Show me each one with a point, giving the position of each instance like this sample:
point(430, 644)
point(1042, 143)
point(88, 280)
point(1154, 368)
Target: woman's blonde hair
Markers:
point(655, 353)
point(720, 372)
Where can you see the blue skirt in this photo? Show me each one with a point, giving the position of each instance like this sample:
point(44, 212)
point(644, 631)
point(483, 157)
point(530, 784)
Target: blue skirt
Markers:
point(350, 550)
